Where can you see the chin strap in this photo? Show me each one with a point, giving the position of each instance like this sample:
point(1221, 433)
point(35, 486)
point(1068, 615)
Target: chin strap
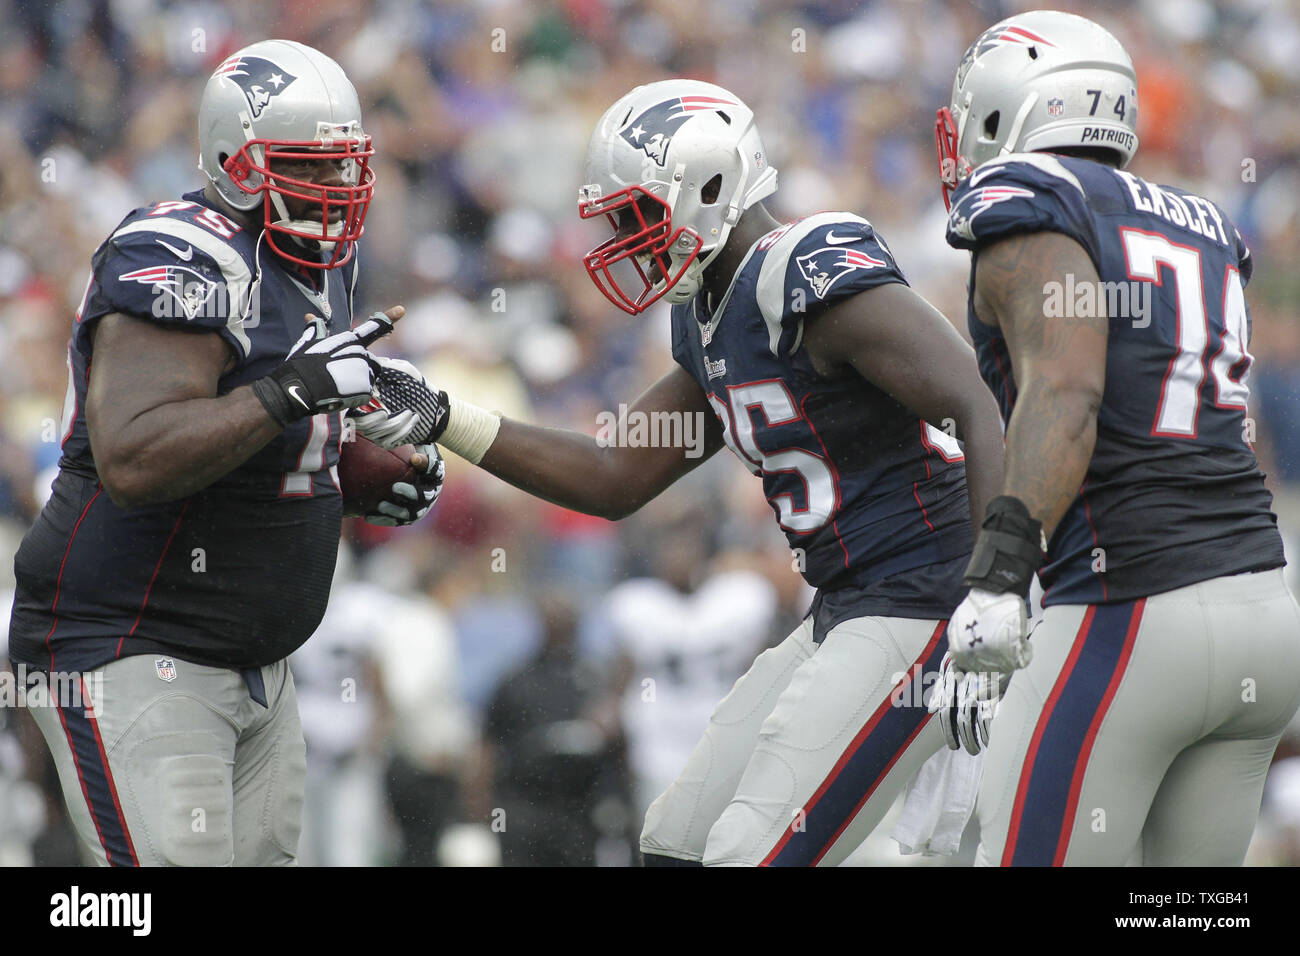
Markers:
point(1022, 114)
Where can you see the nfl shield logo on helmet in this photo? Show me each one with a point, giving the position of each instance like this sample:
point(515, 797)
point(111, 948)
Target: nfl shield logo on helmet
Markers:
point(1055, 106)
point(166, 668)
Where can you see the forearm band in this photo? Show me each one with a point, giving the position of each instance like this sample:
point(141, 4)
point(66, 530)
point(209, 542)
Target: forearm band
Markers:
point(470, 430)
point(1008, 550)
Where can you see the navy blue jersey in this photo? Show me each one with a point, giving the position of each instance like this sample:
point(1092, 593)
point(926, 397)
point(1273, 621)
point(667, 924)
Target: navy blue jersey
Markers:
point(237, 574)
point(864, 490)
point(1173, 494)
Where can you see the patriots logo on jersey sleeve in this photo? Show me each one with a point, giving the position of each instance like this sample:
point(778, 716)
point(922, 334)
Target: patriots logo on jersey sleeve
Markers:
point(186, 290)
point(827, 266)
point(653, 130)
point(260, 79)
point(979, 199)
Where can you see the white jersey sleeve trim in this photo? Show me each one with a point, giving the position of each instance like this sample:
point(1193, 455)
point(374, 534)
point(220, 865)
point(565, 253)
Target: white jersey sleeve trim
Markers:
point(1040, 161)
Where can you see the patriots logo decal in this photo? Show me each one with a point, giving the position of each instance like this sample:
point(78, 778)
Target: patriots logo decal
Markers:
point(977, 200)
point(827, 266)
point(181, 288)
point(653, 130)
point(260, 79)
point(997, 36)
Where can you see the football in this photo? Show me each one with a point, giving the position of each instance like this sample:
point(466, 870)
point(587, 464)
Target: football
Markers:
point(367, 472)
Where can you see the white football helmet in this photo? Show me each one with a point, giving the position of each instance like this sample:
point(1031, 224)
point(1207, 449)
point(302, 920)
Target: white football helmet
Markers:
point(280, 100)
point(1038, 81)
point(685, 148)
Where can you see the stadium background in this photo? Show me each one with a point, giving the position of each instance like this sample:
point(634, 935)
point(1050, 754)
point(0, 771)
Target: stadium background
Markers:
point(466, 681)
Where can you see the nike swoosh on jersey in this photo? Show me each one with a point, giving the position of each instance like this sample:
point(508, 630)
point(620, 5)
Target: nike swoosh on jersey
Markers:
point(185, 256)
point(837, 240)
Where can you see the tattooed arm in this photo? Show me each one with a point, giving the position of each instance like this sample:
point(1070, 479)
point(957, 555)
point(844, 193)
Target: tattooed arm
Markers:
point(1059, 363)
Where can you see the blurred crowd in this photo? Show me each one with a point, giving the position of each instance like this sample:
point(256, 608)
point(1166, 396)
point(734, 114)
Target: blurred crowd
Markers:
point(507, 681)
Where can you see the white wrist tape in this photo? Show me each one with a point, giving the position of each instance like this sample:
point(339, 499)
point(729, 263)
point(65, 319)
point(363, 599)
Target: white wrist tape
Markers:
point(470, 430)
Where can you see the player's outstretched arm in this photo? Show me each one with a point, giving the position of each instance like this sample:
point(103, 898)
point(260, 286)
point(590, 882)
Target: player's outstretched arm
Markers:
point(568, 468)
point(899, 342)
point(1060, 367)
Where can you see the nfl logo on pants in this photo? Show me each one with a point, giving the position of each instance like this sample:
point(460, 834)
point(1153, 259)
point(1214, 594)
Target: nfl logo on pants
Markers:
point(166, 668)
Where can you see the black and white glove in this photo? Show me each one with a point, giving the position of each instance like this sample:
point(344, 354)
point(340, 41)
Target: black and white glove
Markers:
point(965, 704)
point(405, 410)
point(408, 502)
point(989, 630)
point(323, 372)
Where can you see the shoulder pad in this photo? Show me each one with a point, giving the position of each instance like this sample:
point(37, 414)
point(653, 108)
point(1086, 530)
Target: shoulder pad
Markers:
point(1020, 193)
point(812, 263)
point(172, 266)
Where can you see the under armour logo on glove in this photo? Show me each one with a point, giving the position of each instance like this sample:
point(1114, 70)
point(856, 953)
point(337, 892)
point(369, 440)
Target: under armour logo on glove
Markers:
point(989, 632)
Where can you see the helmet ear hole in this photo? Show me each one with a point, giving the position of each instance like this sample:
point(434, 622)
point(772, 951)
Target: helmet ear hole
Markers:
point(991, 124)
point(709, 194)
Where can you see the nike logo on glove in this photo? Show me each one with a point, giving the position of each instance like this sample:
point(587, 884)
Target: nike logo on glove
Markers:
point(293, 390)
point(837, 240)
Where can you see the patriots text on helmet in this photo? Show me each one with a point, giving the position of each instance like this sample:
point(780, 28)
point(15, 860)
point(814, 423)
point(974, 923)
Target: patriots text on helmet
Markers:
point(1095, 135)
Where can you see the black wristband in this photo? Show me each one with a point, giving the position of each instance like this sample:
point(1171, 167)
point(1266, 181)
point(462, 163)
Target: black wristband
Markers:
point(1008, 550)
point(271, 394)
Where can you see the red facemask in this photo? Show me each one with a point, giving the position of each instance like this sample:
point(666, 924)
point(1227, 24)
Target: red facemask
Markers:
point(950, 163)
point(345, 204)
point(636, 237)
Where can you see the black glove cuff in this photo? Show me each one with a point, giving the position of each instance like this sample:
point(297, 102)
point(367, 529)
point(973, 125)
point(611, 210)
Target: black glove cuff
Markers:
point(273, 398)
point(1008, 550)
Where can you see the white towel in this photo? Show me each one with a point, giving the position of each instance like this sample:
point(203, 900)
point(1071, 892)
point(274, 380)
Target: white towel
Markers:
point(939, 802)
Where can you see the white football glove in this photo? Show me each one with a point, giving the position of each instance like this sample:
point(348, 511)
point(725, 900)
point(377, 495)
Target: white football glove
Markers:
point(323, 372)
point(404, 410)
point(408, 502)
point(990, 633)
point(965, 705)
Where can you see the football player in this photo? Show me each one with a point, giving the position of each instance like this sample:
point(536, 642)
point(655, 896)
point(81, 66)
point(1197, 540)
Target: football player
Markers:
point(1110, 322)
point(801, 347)
point(189, 541)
